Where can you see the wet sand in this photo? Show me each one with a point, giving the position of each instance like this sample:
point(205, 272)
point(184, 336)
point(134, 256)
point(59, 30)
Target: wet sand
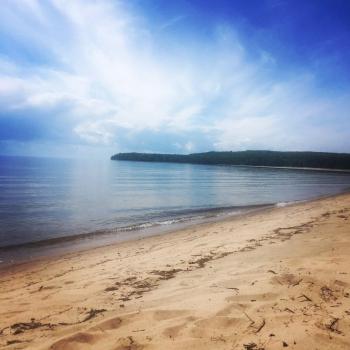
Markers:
point(274, 279)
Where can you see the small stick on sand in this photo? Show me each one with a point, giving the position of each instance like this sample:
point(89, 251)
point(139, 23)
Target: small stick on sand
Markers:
point(297, 283)
point(289, 310)
point(306, 297)
point(333, 326)
point(261, 326)
point(249, 318)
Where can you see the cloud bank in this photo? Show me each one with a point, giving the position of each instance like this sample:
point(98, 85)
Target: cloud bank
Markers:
point(100, 74)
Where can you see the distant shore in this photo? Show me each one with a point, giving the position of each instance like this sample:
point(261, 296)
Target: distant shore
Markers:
point(257, 158)
point(274, 278)
point(296, 168)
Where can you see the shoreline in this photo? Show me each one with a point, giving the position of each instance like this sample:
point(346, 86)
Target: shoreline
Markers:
point(244, 166)
point(171, 231)
point(57, 247)
point(219, 285)
point(139, 227)
point(297, 168)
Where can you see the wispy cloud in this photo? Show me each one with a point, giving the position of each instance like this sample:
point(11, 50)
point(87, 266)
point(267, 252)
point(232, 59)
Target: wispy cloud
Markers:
point(97, 68)
point(172, 21)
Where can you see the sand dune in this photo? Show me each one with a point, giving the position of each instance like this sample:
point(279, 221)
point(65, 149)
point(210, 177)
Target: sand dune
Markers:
point(270, 280)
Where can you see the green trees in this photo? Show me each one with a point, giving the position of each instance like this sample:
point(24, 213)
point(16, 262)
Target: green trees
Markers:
point(256, 158)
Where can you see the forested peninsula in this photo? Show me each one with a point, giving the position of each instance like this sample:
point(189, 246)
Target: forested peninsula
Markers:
point(322, 160)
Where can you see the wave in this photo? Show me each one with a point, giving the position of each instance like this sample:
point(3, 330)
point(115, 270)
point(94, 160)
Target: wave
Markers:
point(286, 204)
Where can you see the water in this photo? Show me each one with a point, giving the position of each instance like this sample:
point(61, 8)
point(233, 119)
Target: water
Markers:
point(45, 200)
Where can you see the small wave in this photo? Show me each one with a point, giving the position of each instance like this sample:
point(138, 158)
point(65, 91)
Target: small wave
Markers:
point(169, 222)
point(282, 204)
point(286, 204)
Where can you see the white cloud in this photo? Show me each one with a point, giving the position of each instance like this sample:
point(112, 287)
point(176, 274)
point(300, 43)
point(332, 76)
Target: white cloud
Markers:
point(105, 65)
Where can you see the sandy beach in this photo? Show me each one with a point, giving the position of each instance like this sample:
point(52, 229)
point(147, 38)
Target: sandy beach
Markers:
point(278, 278)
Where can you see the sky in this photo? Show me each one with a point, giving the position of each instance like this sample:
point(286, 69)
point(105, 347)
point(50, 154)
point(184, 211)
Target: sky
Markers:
point(92, 78)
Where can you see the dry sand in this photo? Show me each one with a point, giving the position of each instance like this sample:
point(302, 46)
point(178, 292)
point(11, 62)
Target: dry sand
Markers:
point(271, 280)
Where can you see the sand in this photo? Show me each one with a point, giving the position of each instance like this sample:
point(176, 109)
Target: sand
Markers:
point(275, 279)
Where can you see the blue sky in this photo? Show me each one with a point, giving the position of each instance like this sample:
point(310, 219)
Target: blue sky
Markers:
point(98, 77)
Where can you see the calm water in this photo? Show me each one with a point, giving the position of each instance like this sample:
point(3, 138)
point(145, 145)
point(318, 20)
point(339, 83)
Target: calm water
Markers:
point(42, 198)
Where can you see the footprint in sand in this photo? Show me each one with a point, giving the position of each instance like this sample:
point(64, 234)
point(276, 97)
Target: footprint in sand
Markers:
point(110, 324)
point(78, 341)
point(172, 332)
point(161, 315)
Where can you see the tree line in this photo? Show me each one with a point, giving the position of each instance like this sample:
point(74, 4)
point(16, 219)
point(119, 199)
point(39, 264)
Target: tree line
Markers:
point(321, 160)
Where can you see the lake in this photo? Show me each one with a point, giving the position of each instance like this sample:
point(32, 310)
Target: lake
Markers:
point(63, 202)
